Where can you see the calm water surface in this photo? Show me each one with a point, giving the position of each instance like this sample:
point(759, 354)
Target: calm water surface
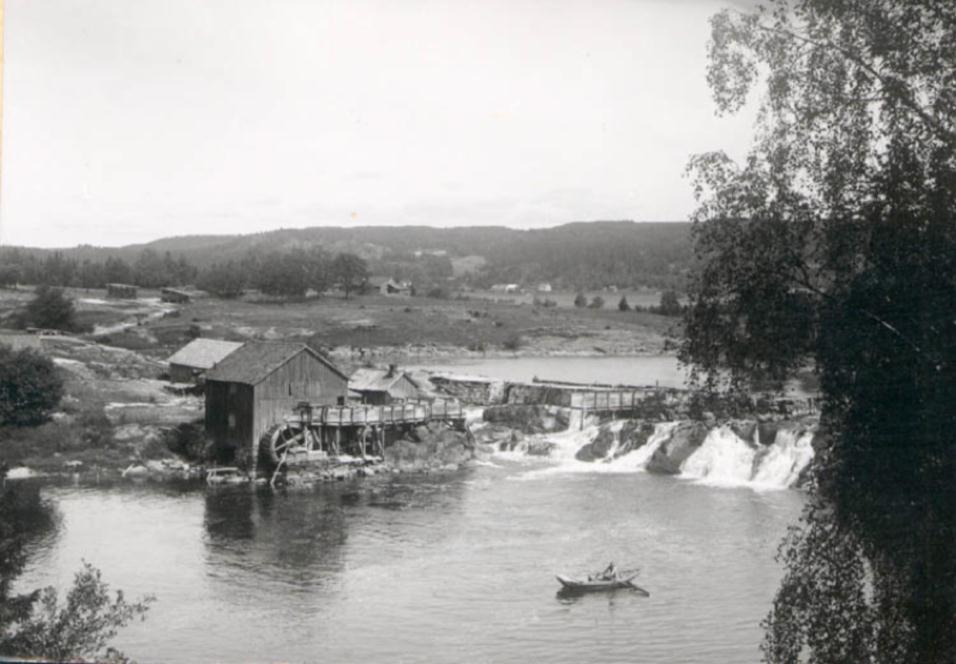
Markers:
point(441, 568)
point(646, 370)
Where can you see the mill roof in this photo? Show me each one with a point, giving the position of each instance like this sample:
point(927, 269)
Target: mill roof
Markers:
point(252, 363)
point(204, 353)
point(376, 380)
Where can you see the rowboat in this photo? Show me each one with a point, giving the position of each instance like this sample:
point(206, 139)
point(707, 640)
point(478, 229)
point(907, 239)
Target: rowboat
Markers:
point(570, 584)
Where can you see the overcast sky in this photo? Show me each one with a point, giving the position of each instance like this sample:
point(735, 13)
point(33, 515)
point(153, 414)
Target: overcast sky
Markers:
point(129, 120)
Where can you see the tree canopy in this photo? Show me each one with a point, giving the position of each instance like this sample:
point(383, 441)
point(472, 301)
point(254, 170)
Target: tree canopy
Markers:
point(834, 244)
point(30, 387)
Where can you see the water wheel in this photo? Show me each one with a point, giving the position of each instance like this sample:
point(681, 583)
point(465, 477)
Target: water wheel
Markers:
point(280, 440)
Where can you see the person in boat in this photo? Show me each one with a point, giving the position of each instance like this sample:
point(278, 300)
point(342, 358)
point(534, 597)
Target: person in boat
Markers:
point(609, 573)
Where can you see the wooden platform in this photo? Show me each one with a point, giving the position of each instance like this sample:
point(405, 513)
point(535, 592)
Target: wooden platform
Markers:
point(364, 415)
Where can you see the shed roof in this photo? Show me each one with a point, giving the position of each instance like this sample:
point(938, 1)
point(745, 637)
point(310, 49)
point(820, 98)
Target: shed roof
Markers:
point(204, 353)
point(376, 380)
point(252, 363)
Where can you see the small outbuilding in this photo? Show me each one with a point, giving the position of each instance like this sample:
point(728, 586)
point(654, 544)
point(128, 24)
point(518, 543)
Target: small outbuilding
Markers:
point(190, 362)
point(383, 386)
point(174, 295)
point(258, 386)
point(124, 291)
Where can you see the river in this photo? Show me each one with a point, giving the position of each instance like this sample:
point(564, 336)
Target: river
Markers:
point(442, 568)
point(662, 370)
point(453, 567)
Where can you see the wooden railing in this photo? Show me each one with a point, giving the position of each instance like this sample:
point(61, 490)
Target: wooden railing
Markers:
point(399, 413)
point(608, 401)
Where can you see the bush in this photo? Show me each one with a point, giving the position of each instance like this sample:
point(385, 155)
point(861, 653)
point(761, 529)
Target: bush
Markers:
point(514, 342)
point(50, 309)
point(30, 387)
point(623, 305)
point(580, 300)
point(597, 302)
point(670, 304)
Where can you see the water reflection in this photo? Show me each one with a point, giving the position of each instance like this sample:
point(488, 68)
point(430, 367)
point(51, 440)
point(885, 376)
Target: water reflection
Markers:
point(292, 538)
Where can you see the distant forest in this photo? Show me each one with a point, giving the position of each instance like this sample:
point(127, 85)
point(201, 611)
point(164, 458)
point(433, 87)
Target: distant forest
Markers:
point(574, 256)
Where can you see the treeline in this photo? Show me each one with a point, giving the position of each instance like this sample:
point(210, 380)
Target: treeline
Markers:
point(292, 274)
point(289, 273)
point(149, 270)
point(588, 256)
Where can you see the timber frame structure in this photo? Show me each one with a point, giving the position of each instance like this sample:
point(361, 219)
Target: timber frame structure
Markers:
point(316, 432)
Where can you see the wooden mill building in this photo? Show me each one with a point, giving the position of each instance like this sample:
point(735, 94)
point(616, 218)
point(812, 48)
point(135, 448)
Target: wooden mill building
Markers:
point(190, 362)
point(383, 386)
point(259, 385)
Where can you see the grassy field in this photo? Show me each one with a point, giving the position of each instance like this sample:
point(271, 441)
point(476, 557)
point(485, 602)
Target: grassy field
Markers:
point(413, 325)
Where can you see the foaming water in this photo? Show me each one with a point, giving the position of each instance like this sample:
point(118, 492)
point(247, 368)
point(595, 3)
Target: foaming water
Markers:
point(722, 460)
point(445, 568)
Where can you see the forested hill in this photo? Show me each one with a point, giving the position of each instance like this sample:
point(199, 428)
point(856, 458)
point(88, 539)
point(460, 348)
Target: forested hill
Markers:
point(576, 255)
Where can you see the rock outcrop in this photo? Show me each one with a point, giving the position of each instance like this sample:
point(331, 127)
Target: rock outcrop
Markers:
point(686, 437)
point(610, 443)
point(435, 446)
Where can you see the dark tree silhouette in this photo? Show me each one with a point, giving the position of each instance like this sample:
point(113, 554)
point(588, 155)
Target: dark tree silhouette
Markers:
point(349, 272)
point(834, 243)
point(50, 309)
point(30, 387)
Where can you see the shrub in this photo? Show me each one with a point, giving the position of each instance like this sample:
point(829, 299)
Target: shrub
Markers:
point(597, 302)
point(580, 300)
point(670, 304)
point(50, 309)
point(623, 305)
point(514, 342)
point(30, 387)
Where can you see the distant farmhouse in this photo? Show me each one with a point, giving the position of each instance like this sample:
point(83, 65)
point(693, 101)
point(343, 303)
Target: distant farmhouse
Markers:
point(383, 386)
point(124, 291)
point(190, 362)
point(174, 295)
point(388, 286)
point(505, 288)
point(258, 386)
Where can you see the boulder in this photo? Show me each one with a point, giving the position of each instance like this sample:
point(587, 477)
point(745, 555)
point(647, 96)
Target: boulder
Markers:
point(686, 437)
point(634, 434)
point(429, 447)
point(746, 430)
point(611, 444)
point(540, 447)
point(599, 447)
point(768, 431)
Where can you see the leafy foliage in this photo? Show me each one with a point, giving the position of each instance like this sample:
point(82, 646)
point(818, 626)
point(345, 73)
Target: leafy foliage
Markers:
point(30, 387)
point(834, 243)
point(82, 627)
point(670, 304)
point(349, 272)
point(580, 300)
point(623, 305)
point(50, 309)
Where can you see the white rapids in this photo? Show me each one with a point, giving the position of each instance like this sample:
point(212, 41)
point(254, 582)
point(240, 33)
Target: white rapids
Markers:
point(723, 459)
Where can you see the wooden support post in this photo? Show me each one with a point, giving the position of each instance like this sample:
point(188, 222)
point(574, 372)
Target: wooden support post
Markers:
point(338, 441)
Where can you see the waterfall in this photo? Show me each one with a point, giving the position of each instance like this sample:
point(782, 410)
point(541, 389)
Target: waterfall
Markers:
point(726, 460)
point(790, 453)
point(723, 458)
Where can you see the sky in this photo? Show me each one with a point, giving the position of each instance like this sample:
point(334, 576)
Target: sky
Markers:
point(129, 120)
